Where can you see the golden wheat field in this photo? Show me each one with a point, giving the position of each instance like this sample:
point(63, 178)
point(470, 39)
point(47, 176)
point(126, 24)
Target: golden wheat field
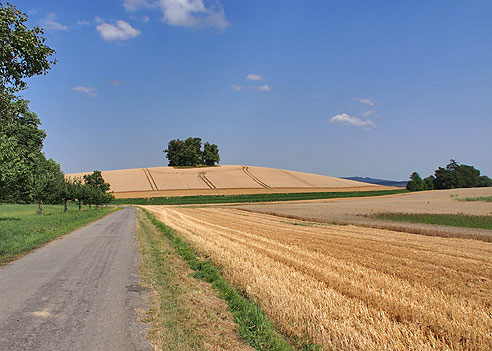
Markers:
point(221, 180)
point(348, 287)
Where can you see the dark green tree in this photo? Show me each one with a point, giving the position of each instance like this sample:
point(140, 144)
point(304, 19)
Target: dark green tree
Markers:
point(193, 152)
point(21, 142)
point(23, 52)
point(457, 175)
point(67, 191)
point(429, 183)
point(210, 155)
point(96, 190)
point(46, 182)
point(96, 180)
point(484, 181)
point(189, 153)
point(78, 191)
point(415, 183)
point(175, 152)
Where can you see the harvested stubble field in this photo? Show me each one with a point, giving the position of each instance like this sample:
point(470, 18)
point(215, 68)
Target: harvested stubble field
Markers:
point(364, 211)
point(348, 287)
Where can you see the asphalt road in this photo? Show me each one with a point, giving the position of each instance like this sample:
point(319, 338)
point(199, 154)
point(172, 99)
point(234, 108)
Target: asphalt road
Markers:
point(80, 292)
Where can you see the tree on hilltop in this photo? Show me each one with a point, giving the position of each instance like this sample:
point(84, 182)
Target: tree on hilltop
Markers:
point(189, 153)
point(210, 155)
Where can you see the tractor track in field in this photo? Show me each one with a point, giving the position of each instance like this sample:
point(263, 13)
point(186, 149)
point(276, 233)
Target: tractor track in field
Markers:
point(300, 179)
point(258, 181)
point(207, 181)
point(145, 170)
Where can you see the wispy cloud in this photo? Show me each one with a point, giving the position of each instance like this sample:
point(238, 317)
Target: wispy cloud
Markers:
point(119, 31)
point(368, 113)
point(255, 77)
point(263, 88)
point(83, 23)
point(115, 82)
point(237, 87)
point(50, 23)
point(134, 5)
point(91, 91)
point(184, 13)
point(364, 101)
point(352, 121)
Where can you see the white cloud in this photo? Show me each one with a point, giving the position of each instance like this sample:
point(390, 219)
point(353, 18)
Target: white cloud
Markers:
point(115, 82)
point(254, 77)
point(121, 31)
point(353, 121)
point(134, 5)
point(192, 13)
point(83, 23)
point(98, 19)
point(50, 23)
point(237, 87)
point(86, 90)
point(368, 113)
point(263, 88)
point(184, 13)
point(364, 101)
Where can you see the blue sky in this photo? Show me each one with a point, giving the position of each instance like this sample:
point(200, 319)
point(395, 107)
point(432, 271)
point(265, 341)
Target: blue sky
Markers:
point(341, 88)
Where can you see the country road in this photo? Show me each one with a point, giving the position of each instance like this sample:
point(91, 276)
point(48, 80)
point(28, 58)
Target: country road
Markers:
point(80, 292)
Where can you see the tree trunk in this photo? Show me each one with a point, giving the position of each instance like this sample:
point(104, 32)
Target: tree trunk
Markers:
point(40, 207)
point(80, 205)
point(65, 210)
point(90, 206)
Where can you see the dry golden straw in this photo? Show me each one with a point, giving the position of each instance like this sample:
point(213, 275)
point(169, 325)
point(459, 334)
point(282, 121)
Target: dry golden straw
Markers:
point(348, 287)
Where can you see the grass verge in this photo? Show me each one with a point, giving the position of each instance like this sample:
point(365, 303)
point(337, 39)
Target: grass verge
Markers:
point(185, 313)
point(453, 220)
point(480, 198)
point(22, 230)
point(254, 326)
point(220, 199)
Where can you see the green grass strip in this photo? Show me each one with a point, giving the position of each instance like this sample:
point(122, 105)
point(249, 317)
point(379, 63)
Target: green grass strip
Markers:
point(480, 198)
point(217, 199)
point(254, 326)
point(454, 220)
point(22, 230)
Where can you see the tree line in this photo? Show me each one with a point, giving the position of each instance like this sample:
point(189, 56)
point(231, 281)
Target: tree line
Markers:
point(189, 153)
point(26, 175)
point(454, 175)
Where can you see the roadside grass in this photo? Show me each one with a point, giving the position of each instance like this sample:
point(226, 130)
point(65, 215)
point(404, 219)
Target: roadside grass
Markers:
point(254, 326)
point(480, 198)
point(220, 199)
point(185, 313)
point(454, 220)
point(22, 230)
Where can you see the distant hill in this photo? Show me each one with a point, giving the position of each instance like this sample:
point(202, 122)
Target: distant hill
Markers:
point(400, 184)
point(221, 180)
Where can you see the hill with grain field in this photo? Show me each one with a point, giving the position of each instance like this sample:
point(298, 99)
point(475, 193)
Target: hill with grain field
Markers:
point(221, 180)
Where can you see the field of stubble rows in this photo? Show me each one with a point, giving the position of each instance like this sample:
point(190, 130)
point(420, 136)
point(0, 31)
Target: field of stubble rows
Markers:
point(348, 287)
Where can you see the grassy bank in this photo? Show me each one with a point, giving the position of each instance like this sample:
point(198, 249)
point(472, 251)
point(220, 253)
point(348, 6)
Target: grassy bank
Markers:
point(220, 199)
point(22, 230)
point(254, 326)
point(454, 220)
